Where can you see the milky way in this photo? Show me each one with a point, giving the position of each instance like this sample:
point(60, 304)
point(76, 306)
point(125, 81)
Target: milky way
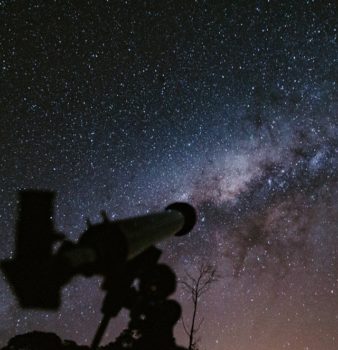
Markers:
point(128, 106)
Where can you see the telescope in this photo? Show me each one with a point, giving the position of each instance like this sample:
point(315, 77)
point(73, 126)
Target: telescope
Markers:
point(36, 274)
point(118, 250)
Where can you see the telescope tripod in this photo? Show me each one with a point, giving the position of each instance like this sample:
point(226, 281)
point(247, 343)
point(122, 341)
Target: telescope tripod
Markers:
point(142, 287)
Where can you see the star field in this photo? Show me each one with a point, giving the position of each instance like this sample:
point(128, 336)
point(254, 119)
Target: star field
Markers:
point(127, 106)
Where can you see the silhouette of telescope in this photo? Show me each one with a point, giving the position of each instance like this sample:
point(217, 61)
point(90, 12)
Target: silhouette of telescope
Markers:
point(37, 273)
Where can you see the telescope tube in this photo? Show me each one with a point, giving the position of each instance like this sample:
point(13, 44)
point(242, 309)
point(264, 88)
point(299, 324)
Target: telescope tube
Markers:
point(144, 231)
point(111, 243)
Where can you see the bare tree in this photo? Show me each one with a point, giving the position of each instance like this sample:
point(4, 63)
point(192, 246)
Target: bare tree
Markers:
point(197, 287)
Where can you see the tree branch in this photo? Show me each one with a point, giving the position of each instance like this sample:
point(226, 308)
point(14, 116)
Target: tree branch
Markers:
point(197, 286)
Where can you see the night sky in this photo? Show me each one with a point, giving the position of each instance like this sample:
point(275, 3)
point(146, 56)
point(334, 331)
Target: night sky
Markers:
point(232, 106)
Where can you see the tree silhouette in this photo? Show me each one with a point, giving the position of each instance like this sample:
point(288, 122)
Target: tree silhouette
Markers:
point(197, 287)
